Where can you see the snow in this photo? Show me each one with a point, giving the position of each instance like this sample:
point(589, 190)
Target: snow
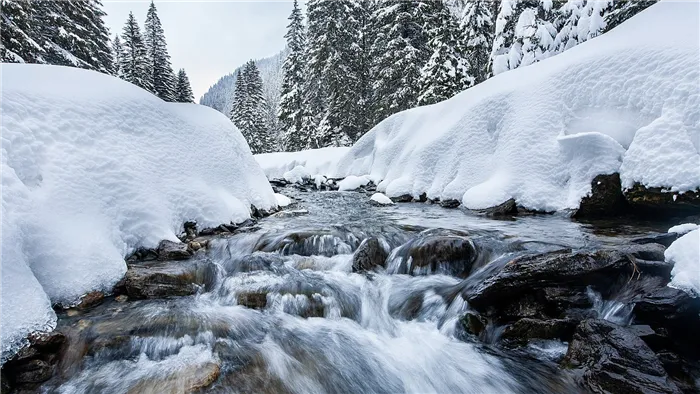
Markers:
point(282, 200)
point(683, 228)
point(352, 182)
point(297, 175)
point(626, 101)
point(685, 254)
point(381, 199)
point(313, 161)
point(93, 167)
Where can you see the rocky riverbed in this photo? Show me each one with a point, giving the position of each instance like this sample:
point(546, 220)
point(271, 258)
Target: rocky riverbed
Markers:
point(336, 294)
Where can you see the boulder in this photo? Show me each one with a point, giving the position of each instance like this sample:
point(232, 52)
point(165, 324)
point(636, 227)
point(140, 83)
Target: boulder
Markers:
point(369, 254)
point(606, 198)
point(667, 306)
point(402, 198)
point(186, 379)
point(528, 328)
point(167, 278)
point(612, 359)
point(450, 203)
point(169, 250)
point(91, 299)
point(35, 363)
point(432, 253)
point(473, 323)
point(252, 300)
point(508, 208)
point(658, 201)
point(527, 274)
point(665, 239)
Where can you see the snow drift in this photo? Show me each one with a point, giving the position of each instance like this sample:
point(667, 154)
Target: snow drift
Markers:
point(627, 101)
point(685, 255)
point(93, 167)
point(311, 162)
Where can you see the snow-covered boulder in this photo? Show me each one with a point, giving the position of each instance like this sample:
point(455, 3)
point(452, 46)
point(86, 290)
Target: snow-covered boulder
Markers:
point(683, 228)
point(684, 253)
point(381, 199)
point(627, 102)
point(313, 161)
point(353, 182)
point(282, 200)
point(94, 167)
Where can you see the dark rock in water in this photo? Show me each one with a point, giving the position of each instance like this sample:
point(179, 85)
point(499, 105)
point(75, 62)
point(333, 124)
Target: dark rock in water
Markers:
point(665, 239)
point(290, 214)
point(508, 208)
point(369, 254)
point(252, 300)
point(143, 254)
point(259, 213)
point(554, 269)
point(614, 360)
point(402, 198)
point(278, 182)
point(36, 363)
point(657, 201)
point(437, 253)
point(473, 323)
point(647, 251)
point(606, 198)
point(422, 198)
point(667, 306)
point(167, 279)
point(450, 203)
point(528, 328)
point(169, 250)
point(91, 299)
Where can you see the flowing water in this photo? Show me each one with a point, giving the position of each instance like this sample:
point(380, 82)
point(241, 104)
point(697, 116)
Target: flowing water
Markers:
point(319, 328)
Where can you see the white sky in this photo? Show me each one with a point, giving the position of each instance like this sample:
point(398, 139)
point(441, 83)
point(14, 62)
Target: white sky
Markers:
point(210, 38)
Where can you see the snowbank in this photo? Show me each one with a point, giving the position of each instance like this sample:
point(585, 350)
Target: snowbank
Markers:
point(685, 254)
point(93, 167)
point(626, 102)
point(312, 162)
point(282, 200)
point(352, 182)
point(683, 228)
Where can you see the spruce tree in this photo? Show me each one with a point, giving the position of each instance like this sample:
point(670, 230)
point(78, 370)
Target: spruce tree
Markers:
point(117, 51)
point(159, 69)
point(134, 61)
point(292, 109)
point(623, 10)
point(248, 109)
point(477, 23)
point(183, 90)
point(19, 33)
point(446, 72)
point(534, 33)
point(503, 37)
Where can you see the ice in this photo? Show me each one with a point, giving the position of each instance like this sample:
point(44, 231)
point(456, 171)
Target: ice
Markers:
point(314, 161)
point(352, 182)
point(282, 200)
point(685, 254)
point(683, 228)
point(381, 199)
point(627, 101)
point(93, 167)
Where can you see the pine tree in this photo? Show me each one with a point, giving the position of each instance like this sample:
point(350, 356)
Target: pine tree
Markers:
point(117, 51)
point(134, 62)
point(159, 69)
point(534, 33)
point(623, 10)
point(566, 24)
point(478, 24)
point(19, 43)
point(183, 90)
point(592, 21)
point(292, 109)
point(399, 52)
point(446, 72)
point(503, 37)
point(248, 111)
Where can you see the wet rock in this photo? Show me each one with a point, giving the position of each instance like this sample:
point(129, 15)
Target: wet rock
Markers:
point(369, 255)
point(647, 251)
point(290, 214)
point(436, 253)
point(665, 239)
point(529, 328)
point(450, 203)
point(187, 379)
point(252, 300)
point(143, 254)
point(36, 363)
point(473, 323)
point(666, 306)
point(190, 232)
point(402, 198)
point(556, 269)
point(614, 360)
point(169, 250)
point(278, 182)
point(656, 200)
point(91, 299)
point(508, 208)
point(606, 198)
point(122, 298)
point(167, 279)
point(194, 246)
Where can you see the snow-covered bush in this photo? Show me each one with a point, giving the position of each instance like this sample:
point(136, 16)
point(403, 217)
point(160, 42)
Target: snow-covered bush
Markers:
point(93, 167)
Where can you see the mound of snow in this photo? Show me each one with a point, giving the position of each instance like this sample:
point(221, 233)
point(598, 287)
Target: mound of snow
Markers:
point(381, 199)
point(282, 200)
point(685, 254)
point(352, 182)
point(683, 228)
point(297, 174)
point(627, 101)
point(314, 161)
point(93, 167)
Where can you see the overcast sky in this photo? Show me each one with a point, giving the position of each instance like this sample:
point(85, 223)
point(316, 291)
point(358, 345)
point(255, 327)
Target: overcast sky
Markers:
point(210, 38)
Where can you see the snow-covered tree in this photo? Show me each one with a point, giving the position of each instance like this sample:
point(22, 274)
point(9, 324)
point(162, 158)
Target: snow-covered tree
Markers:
point(292, 109)
point(623, 10)
point(159, 69)
point(183, 90)
point(446, 72)
point(134, 61)
point(399, 52)
point(117, 51)
point(477, 23)
point(566, 24)
point(248, 112)
point(19, 43)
